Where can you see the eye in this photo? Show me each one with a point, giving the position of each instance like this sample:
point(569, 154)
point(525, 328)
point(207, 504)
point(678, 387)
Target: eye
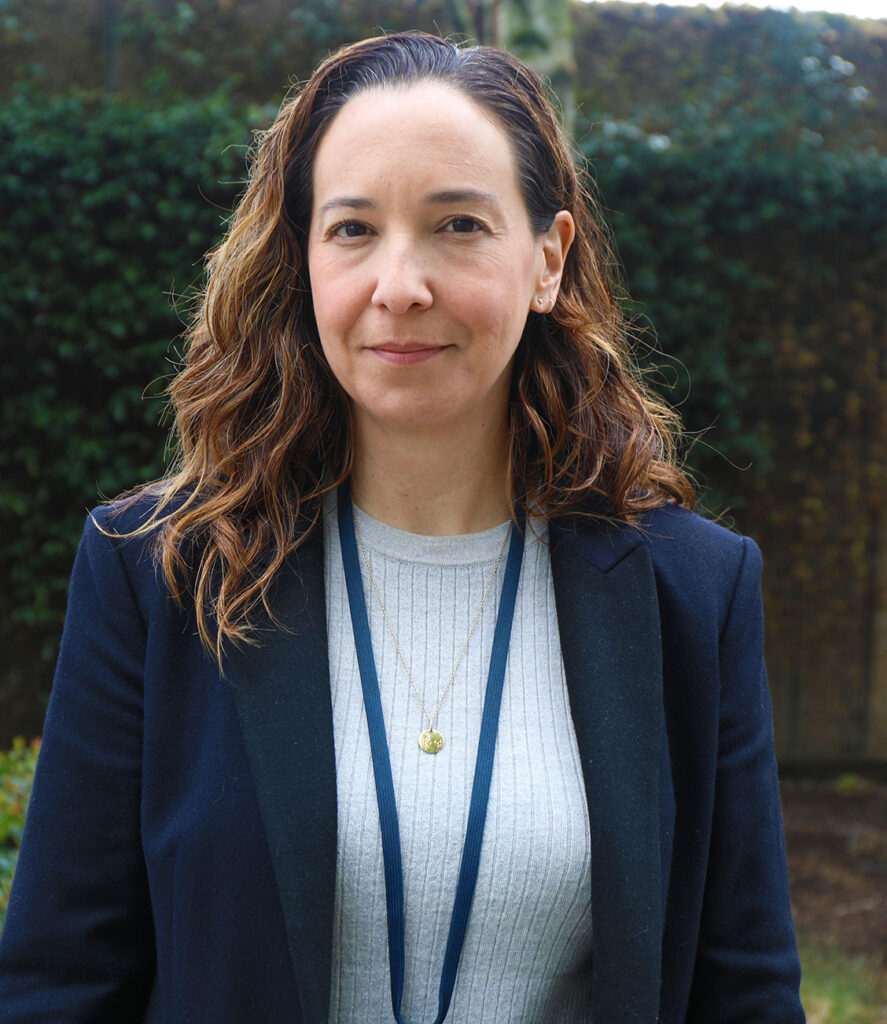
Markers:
point(348, 229)
point(464, 226)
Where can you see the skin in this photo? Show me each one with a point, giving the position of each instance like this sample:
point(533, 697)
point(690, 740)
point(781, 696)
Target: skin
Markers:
point(423, 270)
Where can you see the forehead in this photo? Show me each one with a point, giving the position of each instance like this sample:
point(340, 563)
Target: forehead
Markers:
point(401, 130)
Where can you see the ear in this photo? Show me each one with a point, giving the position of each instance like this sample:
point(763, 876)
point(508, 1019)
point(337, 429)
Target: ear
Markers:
point(555, 245)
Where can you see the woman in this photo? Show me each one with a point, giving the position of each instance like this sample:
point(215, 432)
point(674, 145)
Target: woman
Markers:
point(415, 691)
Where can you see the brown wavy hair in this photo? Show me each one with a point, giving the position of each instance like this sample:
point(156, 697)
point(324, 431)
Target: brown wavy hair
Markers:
point(263, 428)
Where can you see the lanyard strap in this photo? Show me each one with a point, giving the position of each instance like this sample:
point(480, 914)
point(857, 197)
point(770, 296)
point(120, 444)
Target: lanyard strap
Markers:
point(477, 812)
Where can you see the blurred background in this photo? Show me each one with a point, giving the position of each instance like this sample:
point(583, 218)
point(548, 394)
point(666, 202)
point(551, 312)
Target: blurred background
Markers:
point(741, 157)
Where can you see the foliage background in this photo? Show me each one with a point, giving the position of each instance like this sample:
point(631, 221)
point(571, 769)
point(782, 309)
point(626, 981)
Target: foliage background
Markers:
point(16, 777)
point(740, 155)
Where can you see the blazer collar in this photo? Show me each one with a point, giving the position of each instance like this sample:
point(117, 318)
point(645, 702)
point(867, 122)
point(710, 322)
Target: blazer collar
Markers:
point(609, 632)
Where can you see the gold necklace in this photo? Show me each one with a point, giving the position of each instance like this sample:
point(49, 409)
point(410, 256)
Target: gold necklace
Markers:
point(430, 739)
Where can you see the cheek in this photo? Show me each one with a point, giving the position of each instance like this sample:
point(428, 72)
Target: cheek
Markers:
point(336, 305)
point(498, 311)
point(331, 330)
point(506, 289)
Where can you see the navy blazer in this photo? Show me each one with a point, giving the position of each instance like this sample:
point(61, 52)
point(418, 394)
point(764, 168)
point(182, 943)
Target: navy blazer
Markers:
point(178, 863)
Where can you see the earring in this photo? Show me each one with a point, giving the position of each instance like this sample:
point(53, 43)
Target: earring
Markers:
point(540, 302)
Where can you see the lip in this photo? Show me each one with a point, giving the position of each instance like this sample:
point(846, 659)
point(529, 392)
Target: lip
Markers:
point(406, 352)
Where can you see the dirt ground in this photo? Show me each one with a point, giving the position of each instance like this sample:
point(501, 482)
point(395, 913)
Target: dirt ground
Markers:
point(836, 835)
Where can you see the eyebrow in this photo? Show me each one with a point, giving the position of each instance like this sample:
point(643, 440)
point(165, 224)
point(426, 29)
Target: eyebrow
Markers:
point(459, 195)
point(352, 202)
point(462, 195)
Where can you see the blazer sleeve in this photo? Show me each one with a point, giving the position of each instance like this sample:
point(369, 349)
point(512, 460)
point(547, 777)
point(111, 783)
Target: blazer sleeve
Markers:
point(78, 941)
point(747, 967)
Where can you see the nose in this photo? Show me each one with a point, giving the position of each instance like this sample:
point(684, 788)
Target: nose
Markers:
point(402, 279)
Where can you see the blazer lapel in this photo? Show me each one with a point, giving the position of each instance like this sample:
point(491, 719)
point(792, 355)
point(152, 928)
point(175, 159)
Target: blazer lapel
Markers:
point(610, 638)
point(283, 699)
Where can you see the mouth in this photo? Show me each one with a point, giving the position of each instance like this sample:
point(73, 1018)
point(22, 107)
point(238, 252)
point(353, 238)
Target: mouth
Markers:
point(405, 352)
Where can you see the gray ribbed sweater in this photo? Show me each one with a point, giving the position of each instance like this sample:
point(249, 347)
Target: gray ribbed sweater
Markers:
point(528, 945)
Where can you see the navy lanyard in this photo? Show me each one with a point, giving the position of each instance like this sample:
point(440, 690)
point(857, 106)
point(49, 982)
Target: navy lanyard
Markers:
point(483, 770)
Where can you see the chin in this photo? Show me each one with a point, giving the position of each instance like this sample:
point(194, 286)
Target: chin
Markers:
point(409, 415)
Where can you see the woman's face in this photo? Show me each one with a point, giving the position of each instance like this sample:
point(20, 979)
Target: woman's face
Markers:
point(422, 261)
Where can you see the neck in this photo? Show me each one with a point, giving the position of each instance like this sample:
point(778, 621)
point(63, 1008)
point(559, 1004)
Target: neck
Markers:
point(432, 483)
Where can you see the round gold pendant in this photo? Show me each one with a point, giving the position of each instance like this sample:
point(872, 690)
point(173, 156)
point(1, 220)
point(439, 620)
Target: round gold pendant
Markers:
point(430, 741)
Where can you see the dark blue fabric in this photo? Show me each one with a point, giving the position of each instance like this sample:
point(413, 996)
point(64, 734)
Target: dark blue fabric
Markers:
point(178, 858)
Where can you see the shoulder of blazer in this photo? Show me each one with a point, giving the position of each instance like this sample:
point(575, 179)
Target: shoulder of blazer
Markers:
point(695, 562)
point(671, 533)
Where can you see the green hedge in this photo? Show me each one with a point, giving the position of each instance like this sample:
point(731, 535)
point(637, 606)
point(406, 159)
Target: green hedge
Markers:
point(717, 232)
point(106, 211)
